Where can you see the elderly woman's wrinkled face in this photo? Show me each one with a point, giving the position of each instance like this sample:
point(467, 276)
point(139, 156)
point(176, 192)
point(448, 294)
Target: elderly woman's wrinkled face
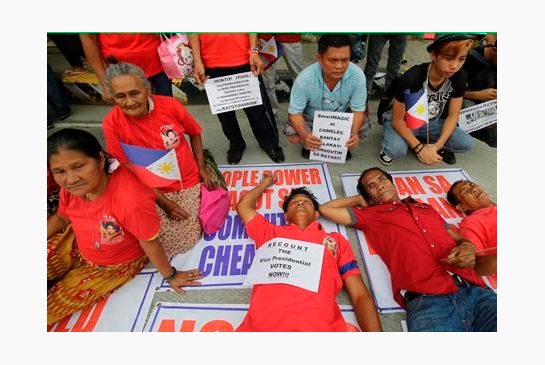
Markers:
point(131, 95)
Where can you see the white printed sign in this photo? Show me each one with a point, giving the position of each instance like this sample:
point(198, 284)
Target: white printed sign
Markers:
point(429, 186)
point(478, 116)
point(233, 92)
point(333, 128)
point(287, 261)
point(226, 256)
point(125, 310)
point(186, 317)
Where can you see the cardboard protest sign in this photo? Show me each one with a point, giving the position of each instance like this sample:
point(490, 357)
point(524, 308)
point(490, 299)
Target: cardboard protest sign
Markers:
point(197, 317)
point(333, 129)
point(233, 92)
point(478, 116)
point(428, 186)
point(125, 310)
point(225, 256)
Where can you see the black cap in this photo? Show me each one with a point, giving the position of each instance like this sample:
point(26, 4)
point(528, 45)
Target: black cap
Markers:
point(448, 38)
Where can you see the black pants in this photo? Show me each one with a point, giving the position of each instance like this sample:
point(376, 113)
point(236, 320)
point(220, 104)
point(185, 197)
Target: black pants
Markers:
point(70, 47)
point(260, 117)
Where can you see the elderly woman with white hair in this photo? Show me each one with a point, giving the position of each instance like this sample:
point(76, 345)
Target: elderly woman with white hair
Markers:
point(139, 132)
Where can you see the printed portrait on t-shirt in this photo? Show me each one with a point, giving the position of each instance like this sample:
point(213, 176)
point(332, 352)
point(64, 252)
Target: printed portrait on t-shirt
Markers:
point(170, 138)
point(111, 231)
point(331, 245)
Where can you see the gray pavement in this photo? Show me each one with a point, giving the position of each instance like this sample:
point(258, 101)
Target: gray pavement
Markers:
point(480, 163)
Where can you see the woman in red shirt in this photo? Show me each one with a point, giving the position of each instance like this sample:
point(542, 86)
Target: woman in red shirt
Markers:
point(99, 196)
point(146, 132)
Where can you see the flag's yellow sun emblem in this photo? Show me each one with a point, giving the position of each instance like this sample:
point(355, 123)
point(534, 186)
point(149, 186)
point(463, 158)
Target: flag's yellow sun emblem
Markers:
point(166, 168)
point(420, 109)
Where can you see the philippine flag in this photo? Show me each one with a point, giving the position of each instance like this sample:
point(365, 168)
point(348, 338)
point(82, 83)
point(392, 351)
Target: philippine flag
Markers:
point(416, 108)
point(270, 51)
point(155, 168)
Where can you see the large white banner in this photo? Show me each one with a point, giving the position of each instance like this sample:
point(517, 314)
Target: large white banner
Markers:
point(125, 310)
point(233, 92)
point(226, 256)
point(429, 186)
point(197, 317)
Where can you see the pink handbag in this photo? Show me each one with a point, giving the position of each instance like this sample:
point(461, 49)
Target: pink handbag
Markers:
point(214, 209)
point(176, 56)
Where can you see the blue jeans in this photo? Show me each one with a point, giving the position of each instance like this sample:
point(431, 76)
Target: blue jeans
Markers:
point(396, 147)
point(160, 84)
point(470, 309)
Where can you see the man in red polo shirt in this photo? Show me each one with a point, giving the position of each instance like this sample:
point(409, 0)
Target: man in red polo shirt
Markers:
point(430, 264)
point(290, 303)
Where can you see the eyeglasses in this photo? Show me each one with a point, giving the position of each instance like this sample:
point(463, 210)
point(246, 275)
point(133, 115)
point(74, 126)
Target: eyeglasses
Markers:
point(331, 103)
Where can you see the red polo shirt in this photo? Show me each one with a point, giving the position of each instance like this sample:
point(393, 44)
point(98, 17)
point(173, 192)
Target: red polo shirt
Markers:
point(287, 308)
point(411, 238)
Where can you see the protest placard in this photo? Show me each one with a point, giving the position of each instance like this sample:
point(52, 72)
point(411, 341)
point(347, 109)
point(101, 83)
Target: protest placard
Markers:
point(478, 116)
point(233, 92)
point(333, 128)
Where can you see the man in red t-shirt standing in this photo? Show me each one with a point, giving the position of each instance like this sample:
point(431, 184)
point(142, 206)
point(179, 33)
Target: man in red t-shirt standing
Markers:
point(217, 55)
point(431, 265)
point(138, 49)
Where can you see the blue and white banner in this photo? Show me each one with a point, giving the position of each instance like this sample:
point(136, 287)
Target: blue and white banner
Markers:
point(226, 256)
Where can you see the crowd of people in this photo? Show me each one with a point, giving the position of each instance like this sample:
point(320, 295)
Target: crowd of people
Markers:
point(112, 210)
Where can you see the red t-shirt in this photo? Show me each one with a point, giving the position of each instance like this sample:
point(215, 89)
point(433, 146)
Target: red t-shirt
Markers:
point(139, 49)
point(283, 307)
point(224, 50)
point(481, 227)
point(108, 229)
point(411, 238)
point(149, 131)
point(284, 38)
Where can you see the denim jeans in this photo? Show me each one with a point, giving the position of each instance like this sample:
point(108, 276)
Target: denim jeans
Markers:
point(396, 49)
point(293, 56)
point(470, 309)
point(160, 84)
point(396, 147)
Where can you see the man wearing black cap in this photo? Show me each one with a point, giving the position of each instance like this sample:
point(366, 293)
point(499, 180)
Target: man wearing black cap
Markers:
point(426, 105)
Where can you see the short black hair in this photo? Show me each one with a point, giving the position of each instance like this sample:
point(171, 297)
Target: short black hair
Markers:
point(361, 188)
point(76, 140)
point(451, 197)
point(333, 40)
point(296, 191)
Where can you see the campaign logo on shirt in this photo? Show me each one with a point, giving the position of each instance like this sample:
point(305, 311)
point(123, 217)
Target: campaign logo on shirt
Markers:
point(110, 231)
point(170, 138)
point(331, 245)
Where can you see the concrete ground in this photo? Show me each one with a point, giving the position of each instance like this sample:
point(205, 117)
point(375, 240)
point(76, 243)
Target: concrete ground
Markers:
point(480, 163)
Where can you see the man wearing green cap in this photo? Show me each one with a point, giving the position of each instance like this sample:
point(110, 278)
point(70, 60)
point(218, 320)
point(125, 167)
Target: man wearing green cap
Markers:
point(425, 107)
